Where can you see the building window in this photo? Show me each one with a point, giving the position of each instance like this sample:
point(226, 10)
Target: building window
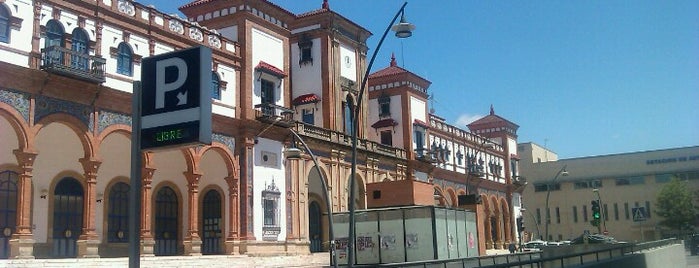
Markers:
point(308, 116)
point(575, 214)
point(648, 209)
point(538, 216)
point(4, 24)
point(616, 212)
point(542, 187)
point(118, 219)
point(385, 106)
point(270, 208)
point(419, 139)
point(387, 137)
point(348, 114)
point(626, 210)
point(663, 178)
point(215, 86)
point(267, 91)
point(459, 157)
point(124, 59)
point(305, 50)
point(584, 211)
point(587, 184)
point(79, 46)
point(548, 215)
point(558, 215)
point(630, 181)
point(54, 38)
point(606, 212)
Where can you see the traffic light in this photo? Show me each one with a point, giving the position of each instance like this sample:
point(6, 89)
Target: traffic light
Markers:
point(595, 213)
point(520, 224)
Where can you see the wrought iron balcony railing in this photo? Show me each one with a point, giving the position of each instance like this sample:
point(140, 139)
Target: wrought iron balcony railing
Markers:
point(63, 61)
point(274, 114)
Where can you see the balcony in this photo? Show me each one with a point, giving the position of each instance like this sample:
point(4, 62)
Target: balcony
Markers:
point(344, 139)
point(425, 155)
point(63, 61)
point(274, 114)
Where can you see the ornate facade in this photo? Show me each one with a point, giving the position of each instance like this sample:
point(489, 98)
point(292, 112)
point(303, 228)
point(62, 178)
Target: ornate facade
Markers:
point(66, 75)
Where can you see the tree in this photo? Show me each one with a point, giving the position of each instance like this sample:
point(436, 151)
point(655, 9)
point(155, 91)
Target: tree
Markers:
point(675, 206)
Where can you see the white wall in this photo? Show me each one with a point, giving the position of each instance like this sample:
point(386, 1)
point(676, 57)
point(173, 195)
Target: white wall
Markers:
point(264, 172)
point(348, 62)
point(269, 49)
point(396, 114)
point(307, 79)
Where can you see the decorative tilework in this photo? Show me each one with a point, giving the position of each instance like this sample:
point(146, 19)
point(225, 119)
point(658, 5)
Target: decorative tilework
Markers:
point(18, 100)
point(228, 141)
point(107, 118)
point(46, 106)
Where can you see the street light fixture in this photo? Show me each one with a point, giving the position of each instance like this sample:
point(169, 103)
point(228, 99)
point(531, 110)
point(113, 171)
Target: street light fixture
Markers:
point(403, 30)
point(561, 172)
point(295, 153)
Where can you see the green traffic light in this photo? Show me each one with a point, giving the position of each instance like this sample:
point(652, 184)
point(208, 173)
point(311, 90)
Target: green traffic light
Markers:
point(596, 215)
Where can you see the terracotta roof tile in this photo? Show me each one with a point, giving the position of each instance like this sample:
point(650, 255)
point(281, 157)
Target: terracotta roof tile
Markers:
point(388, 122)
point(307, 98)
point(269, 68)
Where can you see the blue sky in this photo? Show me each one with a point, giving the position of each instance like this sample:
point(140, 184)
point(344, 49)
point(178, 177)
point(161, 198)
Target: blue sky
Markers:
point(583, 78)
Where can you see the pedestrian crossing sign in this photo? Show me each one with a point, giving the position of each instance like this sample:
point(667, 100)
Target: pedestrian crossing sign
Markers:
point(639, 214)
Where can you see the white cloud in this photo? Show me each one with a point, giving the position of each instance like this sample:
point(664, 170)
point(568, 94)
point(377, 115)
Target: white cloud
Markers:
point(466, 119)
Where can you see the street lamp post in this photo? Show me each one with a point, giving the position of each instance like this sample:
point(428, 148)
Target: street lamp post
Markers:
point(403, 30)
point(538, 232)
point(562, 172)
point(295, 153)
point(602, 211)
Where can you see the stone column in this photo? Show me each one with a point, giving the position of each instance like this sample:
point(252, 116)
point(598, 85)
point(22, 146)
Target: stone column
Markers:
point(22, 241)
point(147, 241)
point(232, 240)
point(246, 189)
point(192, 241)
point(88, 241)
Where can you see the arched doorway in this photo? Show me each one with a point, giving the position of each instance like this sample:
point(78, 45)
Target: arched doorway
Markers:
point(166, 230)
point(118, 219)
point(8, 210)
point(67, 217)
point(212, 221)
point(315, 227)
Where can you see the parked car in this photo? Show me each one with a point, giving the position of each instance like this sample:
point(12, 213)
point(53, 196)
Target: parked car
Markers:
point(533, 245)
point(595, 239)
point(558, 243)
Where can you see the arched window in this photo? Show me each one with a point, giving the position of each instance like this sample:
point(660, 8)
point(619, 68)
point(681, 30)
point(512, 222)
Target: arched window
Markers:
point(53, 43)
point(212, 223)
point(4, 24)
point(118, 218)
point(215, 86)
point(8, 210)
point(79, 46)
point(348, 114)
point(124, 59)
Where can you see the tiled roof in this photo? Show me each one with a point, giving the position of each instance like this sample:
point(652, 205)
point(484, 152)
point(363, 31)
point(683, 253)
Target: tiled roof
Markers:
point(421, 123)
point(270, 69)
point(305, 99)
point(388, 122)
point(392, 69)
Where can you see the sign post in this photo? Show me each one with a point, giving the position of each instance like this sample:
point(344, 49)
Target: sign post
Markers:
point(639, 215)
point(171, 107)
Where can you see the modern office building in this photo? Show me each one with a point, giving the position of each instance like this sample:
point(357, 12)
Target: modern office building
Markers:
point(626, 184)
point(67, 70)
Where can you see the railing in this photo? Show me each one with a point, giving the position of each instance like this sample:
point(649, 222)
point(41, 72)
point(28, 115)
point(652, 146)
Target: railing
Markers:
point(272, 113)
point(71, 63)
point(535, 259)
point(482, 261)
point(345, 140)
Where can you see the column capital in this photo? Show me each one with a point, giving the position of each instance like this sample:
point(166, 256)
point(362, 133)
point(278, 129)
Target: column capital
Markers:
point(90, 165)
point(25, 158)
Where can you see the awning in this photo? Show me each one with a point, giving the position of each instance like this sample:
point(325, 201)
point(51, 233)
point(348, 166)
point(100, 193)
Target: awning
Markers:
point(389, 122)
point(306, 99)
point(270, 69)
